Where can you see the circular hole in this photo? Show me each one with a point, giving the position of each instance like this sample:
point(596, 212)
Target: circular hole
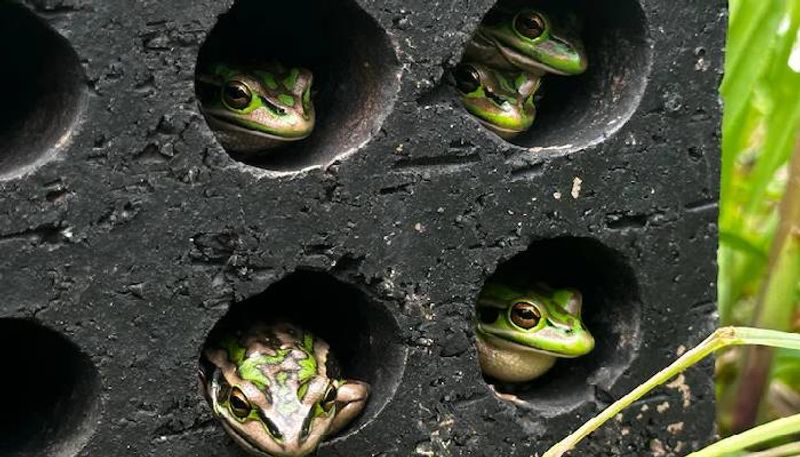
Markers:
point(610, 312)
point(51, 387)
point(354, 66)
point(43, 80)
point(574, 112)
point(363, 336)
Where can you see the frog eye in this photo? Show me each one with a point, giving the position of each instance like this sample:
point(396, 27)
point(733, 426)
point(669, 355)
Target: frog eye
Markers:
point(467, 78)
point(530, 24)
point(525, 315)
point(239, 404)
point(237, 95)
point(329, 399)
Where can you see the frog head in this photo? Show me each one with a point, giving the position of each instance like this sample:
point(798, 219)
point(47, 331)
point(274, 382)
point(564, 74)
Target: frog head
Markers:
point(521, 332)
point(527, 39)
point(540, 319)
point(270, 390)
point(252, 109)
point(501, 101)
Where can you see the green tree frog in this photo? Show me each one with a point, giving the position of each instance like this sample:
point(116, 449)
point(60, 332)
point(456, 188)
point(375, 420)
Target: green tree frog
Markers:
point(275, 391)
point(521, 332)
point(526, 40)
point(501, 101)
point(513, 49)
point(253, 109)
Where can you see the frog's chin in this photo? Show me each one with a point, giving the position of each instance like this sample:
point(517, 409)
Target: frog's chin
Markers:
point(506, 345)
point(511, 362)
point(504, 133)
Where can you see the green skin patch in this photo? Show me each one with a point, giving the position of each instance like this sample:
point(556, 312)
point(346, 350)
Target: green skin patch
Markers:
point(251, 368)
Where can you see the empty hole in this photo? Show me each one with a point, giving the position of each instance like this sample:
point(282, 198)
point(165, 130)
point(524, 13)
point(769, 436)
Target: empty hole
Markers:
point(43, 83)
point(574, 112)
point(610, 312)
point(51, 392)
point(363, 335)
point(353, 62)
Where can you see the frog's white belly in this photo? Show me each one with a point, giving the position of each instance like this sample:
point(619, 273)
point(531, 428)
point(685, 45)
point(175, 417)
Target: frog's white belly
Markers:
point(505, 363)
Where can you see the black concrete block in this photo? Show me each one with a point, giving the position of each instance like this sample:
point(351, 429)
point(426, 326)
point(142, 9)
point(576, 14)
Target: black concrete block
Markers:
point(127, 232)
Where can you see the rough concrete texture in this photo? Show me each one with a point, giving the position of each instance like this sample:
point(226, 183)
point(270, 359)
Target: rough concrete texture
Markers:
point(127, 232)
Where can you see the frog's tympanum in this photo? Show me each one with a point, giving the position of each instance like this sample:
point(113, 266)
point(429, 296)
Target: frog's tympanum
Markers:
point(253, 109)
point(521, 332)
point(510, 52)
point(274, 390)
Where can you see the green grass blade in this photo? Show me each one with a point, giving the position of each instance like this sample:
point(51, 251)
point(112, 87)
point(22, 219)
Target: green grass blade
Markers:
point(775, 429)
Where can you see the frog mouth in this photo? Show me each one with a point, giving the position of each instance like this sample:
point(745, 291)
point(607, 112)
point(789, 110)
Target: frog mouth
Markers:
point(215, 120)
point(504, 344)
point(517, 58)
point(243, 441)
point(254, 449)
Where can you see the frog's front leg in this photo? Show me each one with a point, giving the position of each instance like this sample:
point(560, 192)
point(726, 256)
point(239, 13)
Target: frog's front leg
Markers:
point(351, 398)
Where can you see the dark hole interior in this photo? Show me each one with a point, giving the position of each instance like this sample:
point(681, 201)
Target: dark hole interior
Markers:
point(353, 62)
point(363, 336)
point(574, 112)
point(610, 312)
point(51, 391)
point(43, 82)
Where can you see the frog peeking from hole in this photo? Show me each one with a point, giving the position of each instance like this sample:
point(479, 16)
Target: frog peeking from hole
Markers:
point(255, 108)
point(515, 46)
point(521, 331)
point(276, 389)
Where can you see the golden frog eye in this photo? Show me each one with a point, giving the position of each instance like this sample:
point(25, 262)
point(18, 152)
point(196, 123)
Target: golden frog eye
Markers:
point(239, 404)
point(530, 24)
point(237, 95)
point(330, 398)
point(467, 78)
point(525, 315)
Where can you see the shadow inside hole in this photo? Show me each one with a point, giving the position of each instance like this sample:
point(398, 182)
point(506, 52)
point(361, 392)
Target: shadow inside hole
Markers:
point(363, 336)
point(51, 391)
point(43, 83)
point(573, 112)
point(354, 65)
point(610, 312)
